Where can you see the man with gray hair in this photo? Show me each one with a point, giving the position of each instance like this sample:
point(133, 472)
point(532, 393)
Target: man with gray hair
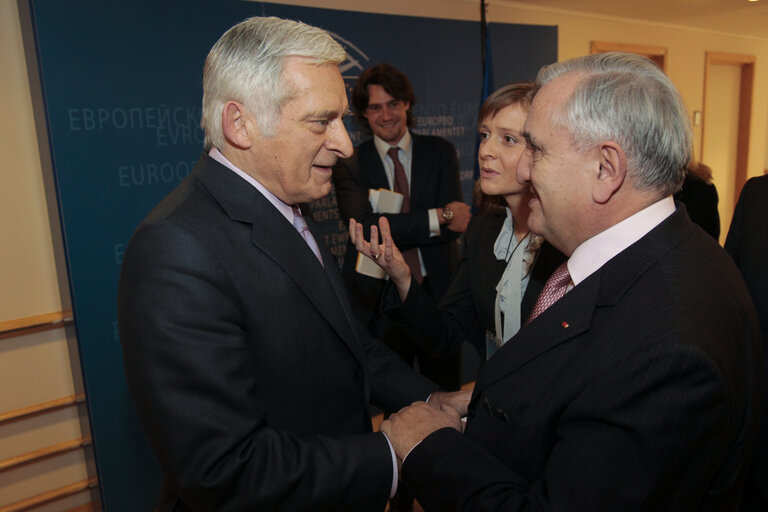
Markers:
point(636, 382)
point(251, 377)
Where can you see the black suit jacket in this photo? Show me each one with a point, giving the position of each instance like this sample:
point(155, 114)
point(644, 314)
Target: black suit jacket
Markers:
point(434, 183)
point(747, 243)
point(471, 296)
point(638, 391)
point(251, 378)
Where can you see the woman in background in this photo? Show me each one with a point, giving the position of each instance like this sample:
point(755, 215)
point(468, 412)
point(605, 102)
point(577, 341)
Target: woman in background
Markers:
point(699, 196)
point(503, 265)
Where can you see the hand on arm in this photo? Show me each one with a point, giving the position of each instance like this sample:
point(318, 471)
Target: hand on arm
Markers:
point(409, 426)
point(456, 400)
point(386, 255)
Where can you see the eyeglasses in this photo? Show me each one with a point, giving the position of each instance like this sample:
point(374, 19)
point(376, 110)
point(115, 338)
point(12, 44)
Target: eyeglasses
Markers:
point(375, 108)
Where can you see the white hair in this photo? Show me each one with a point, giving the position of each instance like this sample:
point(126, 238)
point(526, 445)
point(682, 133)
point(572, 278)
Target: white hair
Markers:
point(246, 65)
point(626, 98)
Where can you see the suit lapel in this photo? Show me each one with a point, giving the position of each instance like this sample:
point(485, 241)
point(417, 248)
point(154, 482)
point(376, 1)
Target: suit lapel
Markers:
point(564, 320)
point(571, 316)
point(279, 240)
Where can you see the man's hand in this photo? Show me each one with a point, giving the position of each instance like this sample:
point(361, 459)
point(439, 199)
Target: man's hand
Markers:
point(386, 255)
point(457, 400)
point(461, 216)
point(409, 426)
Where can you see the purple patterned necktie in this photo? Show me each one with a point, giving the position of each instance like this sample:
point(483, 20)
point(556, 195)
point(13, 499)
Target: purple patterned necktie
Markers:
point(553, 290)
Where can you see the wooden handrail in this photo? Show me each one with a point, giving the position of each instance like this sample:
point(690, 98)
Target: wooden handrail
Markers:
point(49, 496)
point(85, 507)
point(30, 324)
point(42, 407)
point(44, 453)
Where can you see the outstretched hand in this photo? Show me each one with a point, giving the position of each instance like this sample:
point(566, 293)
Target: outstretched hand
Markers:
point(386, 254)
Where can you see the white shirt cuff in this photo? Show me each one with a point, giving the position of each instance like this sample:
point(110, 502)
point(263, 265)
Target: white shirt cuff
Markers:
point(434, 223)
point(395, 475)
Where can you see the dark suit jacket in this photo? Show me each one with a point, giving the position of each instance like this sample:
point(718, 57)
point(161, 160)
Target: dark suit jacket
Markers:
point(471, 296)
point(251, 378)
point(434, 183)
point(747, 243)
point(638, 391)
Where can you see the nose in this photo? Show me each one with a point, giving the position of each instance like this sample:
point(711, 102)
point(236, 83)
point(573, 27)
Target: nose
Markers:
point(338, 139)
point(386, 111)
point(523, 170)
point(484, 151)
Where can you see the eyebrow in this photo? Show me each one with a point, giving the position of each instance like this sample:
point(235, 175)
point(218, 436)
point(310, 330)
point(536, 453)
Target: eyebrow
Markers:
point(323, 114)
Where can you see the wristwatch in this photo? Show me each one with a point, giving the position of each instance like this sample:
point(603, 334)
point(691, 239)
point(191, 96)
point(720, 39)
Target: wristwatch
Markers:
point(447, 214)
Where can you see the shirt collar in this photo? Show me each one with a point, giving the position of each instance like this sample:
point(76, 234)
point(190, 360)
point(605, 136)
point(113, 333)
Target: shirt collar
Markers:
point(598, 250)
point(404, 144)
point(283, 208)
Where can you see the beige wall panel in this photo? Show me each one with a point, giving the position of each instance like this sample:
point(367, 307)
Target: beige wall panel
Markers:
point(33, 479)
point(721, 120)
point(36, 432)
point(69, 504)
point(34, 368)
point(27, 269)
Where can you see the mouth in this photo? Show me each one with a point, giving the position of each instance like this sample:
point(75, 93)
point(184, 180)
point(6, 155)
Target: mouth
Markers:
point(324, 168)
point(487, 172)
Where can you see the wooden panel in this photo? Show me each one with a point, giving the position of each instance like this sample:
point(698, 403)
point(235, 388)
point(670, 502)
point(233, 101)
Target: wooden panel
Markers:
point(658, 54)
point(37, 323)
point(44, 453)
point(49, 496)
point(41, 408)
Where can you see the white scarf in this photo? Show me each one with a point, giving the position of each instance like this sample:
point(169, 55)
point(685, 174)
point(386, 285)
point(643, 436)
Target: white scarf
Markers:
point(510, 289)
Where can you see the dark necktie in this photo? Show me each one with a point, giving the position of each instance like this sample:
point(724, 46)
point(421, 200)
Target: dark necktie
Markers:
point(411, 256)
point(553, 290)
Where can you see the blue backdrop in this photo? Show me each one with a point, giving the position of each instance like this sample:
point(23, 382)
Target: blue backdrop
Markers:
point(121, 84)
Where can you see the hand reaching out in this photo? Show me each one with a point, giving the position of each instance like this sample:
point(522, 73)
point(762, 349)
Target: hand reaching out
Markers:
point(386, 255)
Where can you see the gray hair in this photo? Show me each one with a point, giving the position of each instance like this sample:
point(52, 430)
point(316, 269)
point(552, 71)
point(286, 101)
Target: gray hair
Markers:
point(626, 98)
point(246, 65)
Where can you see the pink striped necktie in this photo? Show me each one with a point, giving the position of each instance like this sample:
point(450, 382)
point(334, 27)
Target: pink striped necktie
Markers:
point(553, 290)
point(301, 226)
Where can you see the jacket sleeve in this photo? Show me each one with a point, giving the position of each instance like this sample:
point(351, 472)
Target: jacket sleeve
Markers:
point(440, 329)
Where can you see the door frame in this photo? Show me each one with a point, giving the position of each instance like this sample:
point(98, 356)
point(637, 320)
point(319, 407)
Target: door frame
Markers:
point(746, 63)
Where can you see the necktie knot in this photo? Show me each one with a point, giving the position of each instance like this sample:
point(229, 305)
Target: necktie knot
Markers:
point(554, 289)
point(298, 221)
point(301, 226)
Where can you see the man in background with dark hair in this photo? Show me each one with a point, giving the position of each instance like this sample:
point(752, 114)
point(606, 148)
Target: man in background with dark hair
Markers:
point(432, 215)
point(425, 170)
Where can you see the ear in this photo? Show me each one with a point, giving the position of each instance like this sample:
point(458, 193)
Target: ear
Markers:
point(611, 173)
point(236, 125)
